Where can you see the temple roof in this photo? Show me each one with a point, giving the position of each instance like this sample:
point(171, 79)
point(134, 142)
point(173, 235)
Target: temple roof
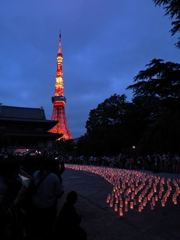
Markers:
point(9, 112)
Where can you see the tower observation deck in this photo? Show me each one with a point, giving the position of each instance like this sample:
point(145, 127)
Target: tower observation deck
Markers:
point(59, 100)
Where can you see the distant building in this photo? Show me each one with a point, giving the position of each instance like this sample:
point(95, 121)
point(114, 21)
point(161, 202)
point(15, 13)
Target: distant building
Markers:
point(27, 127)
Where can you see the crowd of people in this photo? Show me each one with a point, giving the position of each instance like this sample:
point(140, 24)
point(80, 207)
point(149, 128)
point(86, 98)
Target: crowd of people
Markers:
point(169, 163)
point(30, 187)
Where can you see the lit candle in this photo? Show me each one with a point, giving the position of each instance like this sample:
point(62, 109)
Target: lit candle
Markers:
point(156, 198)
point(139, 198)
point(162, 203)
point(120, 212)
point(115, 207)
point(175, 200)
point(126, 207)
point(152, 206)
point(131, 205)
point(132, 195)
point(111, 203)
point(108, 198)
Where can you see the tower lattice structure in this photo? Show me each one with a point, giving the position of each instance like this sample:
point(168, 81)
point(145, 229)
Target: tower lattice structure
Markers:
point(59, 99)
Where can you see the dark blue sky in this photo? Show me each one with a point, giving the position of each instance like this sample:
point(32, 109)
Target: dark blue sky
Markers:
point(105, 44)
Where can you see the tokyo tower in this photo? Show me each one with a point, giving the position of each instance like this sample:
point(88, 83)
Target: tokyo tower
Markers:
point(59, 100)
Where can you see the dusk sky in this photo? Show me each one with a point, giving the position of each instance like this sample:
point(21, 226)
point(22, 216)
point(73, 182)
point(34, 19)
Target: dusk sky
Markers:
point(105, 43)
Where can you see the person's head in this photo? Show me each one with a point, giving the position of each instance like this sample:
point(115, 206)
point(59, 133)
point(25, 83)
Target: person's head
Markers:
point(9, 167)
point(44, 163)
point(72, 197)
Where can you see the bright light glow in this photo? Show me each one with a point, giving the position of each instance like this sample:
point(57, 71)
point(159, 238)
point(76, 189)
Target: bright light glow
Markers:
point(135, 190)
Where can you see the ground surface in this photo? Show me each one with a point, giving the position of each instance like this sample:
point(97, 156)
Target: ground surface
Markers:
point(101, 222)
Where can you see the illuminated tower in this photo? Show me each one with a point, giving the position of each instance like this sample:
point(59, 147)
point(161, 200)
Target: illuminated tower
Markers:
point(59, 99)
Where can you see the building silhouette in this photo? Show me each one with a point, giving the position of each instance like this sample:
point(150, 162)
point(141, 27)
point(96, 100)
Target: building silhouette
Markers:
point(22, 127)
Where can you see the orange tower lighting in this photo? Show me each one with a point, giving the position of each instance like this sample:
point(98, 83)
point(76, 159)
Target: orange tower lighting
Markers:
point(59, 100)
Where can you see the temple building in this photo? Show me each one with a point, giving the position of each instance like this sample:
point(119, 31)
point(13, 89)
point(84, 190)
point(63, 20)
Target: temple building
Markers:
point(26, 127)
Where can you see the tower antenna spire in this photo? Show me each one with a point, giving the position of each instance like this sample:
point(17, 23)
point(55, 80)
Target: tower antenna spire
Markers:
point(59, 99)
point(60, 43)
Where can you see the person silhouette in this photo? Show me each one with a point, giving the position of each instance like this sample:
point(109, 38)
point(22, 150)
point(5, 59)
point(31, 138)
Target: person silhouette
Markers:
point(68, 221)
point(48, 190)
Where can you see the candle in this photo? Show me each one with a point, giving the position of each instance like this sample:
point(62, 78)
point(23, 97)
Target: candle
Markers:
point(115, 207)
point(111, 203)
point(156, 198)
point(132, 195)
point(131, 205)
point(162, 203)
point(152, 206)
point(120, 212)
point(126, 207)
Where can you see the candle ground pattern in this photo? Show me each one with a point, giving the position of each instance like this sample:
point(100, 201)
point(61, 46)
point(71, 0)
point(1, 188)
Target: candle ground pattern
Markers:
point(135, 190)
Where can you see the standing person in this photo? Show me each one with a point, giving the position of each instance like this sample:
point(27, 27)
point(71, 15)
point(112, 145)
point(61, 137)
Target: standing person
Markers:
point(44, 201)
point(61, 168)
point(68, 222)
point(9, 186)
point(58, 167)
point(5, 214)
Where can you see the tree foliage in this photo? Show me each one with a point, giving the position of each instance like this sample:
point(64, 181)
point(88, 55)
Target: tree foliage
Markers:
point(150, 121)
point(159, 79)
point(172, 9)
point(163, 136)
point(108, 113)
point(116, 125)
point(105, 126)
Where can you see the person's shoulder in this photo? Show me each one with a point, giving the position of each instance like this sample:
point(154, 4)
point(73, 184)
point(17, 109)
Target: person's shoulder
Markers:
point(53, 176)
point(35, 174)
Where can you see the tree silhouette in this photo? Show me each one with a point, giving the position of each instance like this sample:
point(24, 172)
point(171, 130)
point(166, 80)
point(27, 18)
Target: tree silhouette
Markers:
point(159, 79)
point(172, 8)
